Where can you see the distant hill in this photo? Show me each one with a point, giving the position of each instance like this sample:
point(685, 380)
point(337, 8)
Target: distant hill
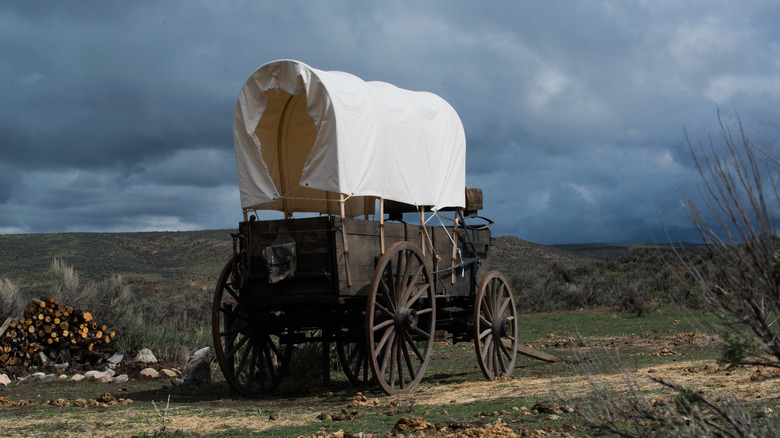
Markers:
point(173, 262)
point(152, 262)
point(613, 251)
point(511, 254)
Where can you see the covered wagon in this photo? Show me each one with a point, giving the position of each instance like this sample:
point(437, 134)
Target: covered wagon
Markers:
point(358, 230)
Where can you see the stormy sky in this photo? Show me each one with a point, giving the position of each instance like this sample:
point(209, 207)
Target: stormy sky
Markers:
point(117, 116)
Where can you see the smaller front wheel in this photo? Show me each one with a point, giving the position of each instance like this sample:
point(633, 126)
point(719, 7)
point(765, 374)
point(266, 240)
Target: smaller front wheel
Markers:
point(495, 326)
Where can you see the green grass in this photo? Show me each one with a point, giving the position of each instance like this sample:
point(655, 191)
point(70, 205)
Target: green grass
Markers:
point(450, 365)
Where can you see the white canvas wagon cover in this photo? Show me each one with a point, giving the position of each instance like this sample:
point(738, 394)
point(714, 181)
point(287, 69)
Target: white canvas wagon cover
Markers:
point(305, 136)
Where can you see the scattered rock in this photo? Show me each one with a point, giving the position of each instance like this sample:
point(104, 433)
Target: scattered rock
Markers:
point(78, 377)
point(145, 356)
point(169, 373)
point(553, 417)
point(198, 369)
point(150, 372)
point(4, 380)
point(115, 359)
point(416, 424)
point(122, 378)
point(43, 377)
point(94, 375)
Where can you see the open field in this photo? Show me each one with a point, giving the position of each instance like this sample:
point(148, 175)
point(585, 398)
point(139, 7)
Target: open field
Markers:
point(453, 395)
point(175, 262)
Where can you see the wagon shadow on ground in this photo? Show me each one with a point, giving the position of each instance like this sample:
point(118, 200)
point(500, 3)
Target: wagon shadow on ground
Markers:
point(291, 392)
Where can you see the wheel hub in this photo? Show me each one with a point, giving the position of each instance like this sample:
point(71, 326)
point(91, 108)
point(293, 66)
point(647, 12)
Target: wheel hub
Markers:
point(405, 319)
point(501, 327)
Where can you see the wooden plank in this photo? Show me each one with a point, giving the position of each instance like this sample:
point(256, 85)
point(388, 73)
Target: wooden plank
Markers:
point(536, 354)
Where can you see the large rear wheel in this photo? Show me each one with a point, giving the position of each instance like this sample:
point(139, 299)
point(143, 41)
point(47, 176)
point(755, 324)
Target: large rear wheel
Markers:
point(400, 319)
point(246, 343)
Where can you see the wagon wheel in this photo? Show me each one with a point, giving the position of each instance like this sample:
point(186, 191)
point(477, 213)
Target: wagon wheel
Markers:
point(495, 326)
point(251, 358)
point(400, 319)
point(353, 357)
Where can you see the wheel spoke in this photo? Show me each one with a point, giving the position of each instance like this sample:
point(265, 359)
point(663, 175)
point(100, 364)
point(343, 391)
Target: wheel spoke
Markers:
point(384, 310)
point(420, 332)
point(504, 306)
point(387, 296)
point(252, 366)
point(412, 344)
point(391, 356)
point(242, 362)
point(409, 365)
point(498, 348)
point(384, 338)
point(383, 324)
point(486, 346)
point(424, 311)
point(233, 351)
point(267, 344)
point(399, 278)
point(384, 346)
point(503, 349)
point(400, 359)
point(485, 308)
point(419, 293)
point(230, 291)
point(362, 364)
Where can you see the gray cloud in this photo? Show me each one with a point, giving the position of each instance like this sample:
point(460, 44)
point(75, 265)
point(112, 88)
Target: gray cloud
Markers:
point(118, 116)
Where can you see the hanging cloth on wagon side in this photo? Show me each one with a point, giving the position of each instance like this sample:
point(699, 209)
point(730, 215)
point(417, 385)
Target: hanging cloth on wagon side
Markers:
point(305, 136)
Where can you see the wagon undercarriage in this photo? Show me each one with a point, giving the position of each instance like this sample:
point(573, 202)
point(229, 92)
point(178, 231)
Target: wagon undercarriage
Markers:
point(383, 325)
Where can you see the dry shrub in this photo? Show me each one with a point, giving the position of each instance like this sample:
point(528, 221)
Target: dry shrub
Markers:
point(628, 409)
point(737, 276)
point(11, 300)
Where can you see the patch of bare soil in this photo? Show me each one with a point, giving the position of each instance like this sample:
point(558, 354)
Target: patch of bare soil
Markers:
point(752, 384)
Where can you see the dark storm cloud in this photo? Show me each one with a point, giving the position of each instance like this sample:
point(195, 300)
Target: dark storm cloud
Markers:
point(118, 116)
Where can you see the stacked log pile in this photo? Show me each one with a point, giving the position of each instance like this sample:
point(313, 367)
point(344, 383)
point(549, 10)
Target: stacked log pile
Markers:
point(50, 329)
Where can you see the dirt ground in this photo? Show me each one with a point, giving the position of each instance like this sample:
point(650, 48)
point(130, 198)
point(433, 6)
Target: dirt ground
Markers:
point(216, 415)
